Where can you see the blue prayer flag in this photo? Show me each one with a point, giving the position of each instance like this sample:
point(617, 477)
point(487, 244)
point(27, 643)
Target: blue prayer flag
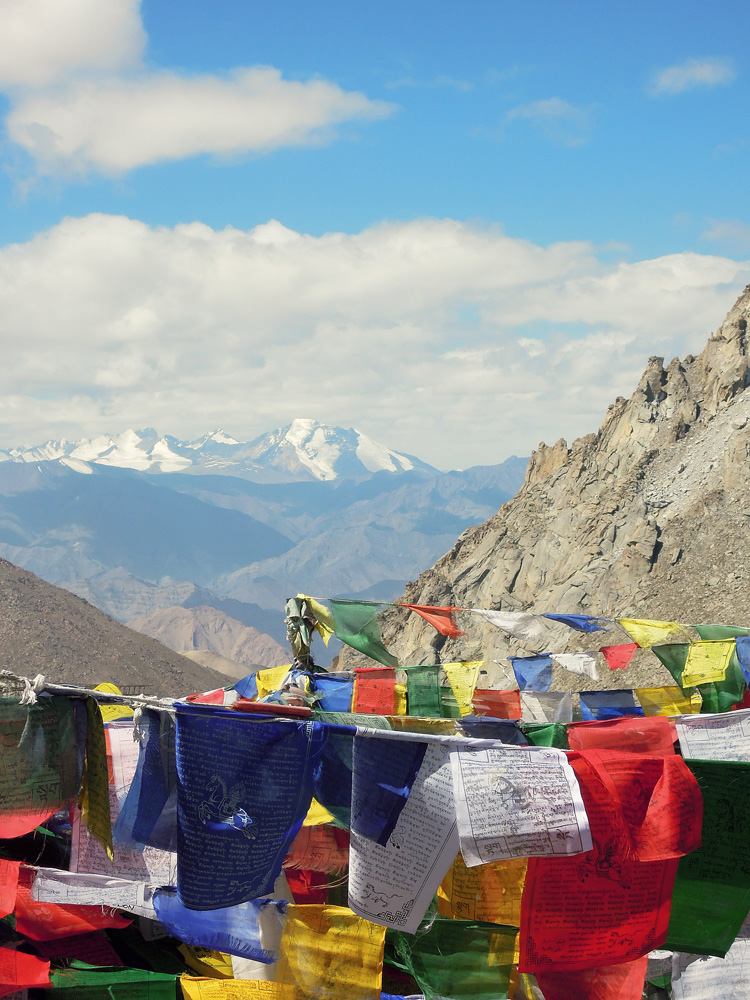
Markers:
point(532, 672)
point(600, 705)
point(581, 623)
point(383, 773)
point(336, 692)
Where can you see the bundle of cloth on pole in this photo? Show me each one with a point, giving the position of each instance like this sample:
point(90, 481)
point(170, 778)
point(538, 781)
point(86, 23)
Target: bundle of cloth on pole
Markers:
point(392, 831)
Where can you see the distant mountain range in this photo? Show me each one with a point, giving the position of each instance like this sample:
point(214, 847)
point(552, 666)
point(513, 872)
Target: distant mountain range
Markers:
point(137, 523)
point(304, 450)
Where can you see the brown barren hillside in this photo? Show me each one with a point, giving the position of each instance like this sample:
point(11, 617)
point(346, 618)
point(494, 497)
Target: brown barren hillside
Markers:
point(648, 517)
point(47, 630)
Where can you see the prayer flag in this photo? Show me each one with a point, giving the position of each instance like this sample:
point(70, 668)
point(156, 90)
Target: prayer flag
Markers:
point(601, 705)
point(323, 618)
point(618, 657)
point(374, 690)
point(357, 626)
point(84, 982)
point(43, 921)
point(697, 978)
point(20, 971)
point(442, 619)
point(707, 661)
point(578, 663)
point(498, 704)
point(490, 892)
point(112, 712)
point(668, 701)
point(270, 681)
point(382, 776)
point(94, 798)
point(546, 706)
point(196, 988)
point(645, 632)
point(519, 624)
point(423, 690)
point(460, 959)
point(655, 735)
point(335, 693)
point(235, 830)
point(742, 648)
point(581, 623)
point(610, 982)
point(533, 672)
point(554, 734)
point(8, 886)
point(463, 680)
point(721, 631)
point(329, 953)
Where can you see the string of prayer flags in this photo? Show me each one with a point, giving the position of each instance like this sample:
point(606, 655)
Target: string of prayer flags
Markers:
point(532, 672)
point(463, 679)
point(236, 930)
point(519, 624)
point(624, 981)
point(601, 705)
point(546, 706)
point(645, 631)
point(356, 625)
point(374, 690)
point(654, 735)
point(618, 657)
point(323, 618)
point(460, 959)
point(489, 892)
point(41, 764)
point(328, 951)
point(442, 619)
point(668, 701)
point(715, 737)
point(228, 821)
point(423, 690)
point(578, 663)
point(498, 704)
point(581, 623)
point(711, 896)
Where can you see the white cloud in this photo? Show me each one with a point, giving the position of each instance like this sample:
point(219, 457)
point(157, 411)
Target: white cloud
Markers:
point(80, 103)
point(107, 323)
point(691, 74)
point(557, 120)
point(117, 125)
point(730, 232)
point(44, 40)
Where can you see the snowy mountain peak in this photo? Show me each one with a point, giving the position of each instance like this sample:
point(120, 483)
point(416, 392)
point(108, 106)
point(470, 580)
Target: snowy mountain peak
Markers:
point(303, 450)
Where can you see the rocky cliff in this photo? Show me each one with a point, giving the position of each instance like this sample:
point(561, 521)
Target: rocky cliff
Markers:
point(649, 517)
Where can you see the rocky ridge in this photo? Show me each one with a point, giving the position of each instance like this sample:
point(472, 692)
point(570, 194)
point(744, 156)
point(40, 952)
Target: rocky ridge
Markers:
point(648, 517)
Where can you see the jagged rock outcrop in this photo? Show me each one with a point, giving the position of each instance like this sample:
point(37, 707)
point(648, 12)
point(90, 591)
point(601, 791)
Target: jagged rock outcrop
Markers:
point(649, 517)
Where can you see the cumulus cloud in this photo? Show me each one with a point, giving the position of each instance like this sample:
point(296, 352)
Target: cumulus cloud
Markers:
point(106, 322)
point(691, 74)
point(557, 120)
point(117, 125)
point(730, 232)
point(42, 41)
point(80, 103)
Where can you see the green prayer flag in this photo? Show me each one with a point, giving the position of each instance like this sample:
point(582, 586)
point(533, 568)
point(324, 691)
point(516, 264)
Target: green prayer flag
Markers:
point(355, 624)
point(720, 631)
point(711, 895)
point(674, 656)
point(423, 691)
point(448, 705)
point(87, 982)
point(460, 959)
point(550, 734)
point(718, 696)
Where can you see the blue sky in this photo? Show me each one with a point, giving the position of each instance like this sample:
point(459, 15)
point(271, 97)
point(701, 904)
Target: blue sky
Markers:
point(504, 208)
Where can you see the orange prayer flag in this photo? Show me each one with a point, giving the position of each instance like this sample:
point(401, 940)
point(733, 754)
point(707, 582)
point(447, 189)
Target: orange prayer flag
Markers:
point(443, 619)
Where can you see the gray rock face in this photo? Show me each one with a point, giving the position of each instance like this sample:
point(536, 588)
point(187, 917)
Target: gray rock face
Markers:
point(649, 517)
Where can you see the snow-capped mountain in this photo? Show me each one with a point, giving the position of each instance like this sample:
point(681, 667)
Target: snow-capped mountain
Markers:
point(304, 450)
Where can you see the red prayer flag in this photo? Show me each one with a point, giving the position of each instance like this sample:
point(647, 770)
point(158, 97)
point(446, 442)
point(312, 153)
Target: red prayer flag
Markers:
point(44, 921)
point(307, 886)
point(498, 704)
point(20, 971)
point(609, 982)
point(612, 904)
point(374, 690)
point(93, 948)
point(618, 657)
point(440, 618)
point(655, 734)
point(8, 886)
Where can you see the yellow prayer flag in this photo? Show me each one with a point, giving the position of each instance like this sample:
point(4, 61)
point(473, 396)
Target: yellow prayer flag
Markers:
point(269, 681)
point(213, 964)
point(323, 617)
point(415, 724)
point(195, 988)
point(317, 815)
point(668, 701)
point(707, 661)
point(489, 892)
point(399, 703)
point(93, 799)
point(646, 632)
point(463, 680)
point(112, 712)
point(329, 953)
